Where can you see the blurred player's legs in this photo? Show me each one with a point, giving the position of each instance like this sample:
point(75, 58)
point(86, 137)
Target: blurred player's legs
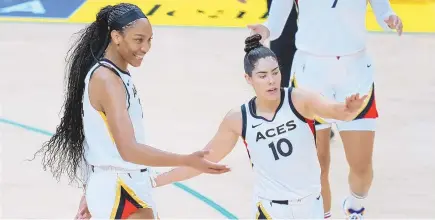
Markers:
point(336, 78)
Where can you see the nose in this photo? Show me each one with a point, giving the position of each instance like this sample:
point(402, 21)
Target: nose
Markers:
point(271, 80)
point(145, 48)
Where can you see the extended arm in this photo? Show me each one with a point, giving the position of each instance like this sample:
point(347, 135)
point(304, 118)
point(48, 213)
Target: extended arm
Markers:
point(220, 146)
point(317, 105)
point(278, 15)
point(107, 94)
point(382, 10)
point(111, 100)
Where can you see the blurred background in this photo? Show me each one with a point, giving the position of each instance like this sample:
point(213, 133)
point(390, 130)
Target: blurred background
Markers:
point(192, 76)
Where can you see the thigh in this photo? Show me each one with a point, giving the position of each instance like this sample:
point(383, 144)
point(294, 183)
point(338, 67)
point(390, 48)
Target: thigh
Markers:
point(311, 72)
point(359, 79)
point(315, 74)
point(116, 196)
point(358, 146)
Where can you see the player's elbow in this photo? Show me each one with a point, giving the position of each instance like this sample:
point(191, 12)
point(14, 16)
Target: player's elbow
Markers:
point(127, 152)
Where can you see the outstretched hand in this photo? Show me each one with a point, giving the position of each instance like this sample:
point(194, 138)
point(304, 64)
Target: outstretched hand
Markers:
point(261, 30)
point(197, 161)
point(394, 22)
point(83, 211)
point(354, 103)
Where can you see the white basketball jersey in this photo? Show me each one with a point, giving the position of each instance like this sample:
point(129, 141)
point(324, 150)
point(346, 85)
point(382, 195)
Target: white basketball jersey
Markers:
point(100, 148)
point(282, 151)
point(332, 27)
point(326, 27)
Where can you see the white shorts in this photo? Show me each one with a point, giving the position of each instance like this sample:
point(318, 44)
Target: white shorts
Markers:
point(336, 78)
point(310, 207)
point(115, 194)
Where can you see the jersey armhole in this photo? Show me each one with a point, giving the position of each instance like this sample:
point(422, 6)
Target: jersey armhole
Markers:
point(309, 122)
point(292, 106)
point(116, 72)
point(244, 121)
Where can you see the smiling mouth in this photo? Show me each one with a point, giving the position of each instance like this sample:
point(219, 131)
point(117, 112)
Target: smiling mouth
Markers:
point(139, 57)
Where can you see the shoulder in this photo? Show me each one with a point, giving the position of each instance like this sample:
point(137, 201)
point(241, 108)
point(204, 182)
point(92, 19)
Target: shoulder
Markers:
point(233, 121)
point(301, 99)
point(106, 88)
point(106, 79)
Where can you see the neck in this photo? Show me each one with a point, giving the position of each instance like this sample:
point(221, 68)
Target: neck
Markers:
point(115, 58)
point(267, 105)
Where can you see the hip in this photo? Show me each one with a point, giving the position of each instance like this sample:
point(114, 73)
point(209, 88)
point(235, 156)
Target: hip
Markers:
point(115, 192)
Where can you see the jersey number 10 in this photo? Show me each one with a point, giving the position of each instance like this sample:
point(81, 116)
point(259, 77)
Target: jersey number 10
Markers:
point(284, 151)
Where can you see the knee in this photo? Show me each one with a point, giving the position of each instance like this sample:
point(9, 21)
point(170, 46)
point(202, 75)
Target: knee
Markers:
point(361, 169)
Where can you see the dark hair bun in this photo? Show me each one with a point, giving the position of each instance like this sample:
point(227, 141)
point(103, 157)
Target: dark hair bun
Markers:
point(252, 42)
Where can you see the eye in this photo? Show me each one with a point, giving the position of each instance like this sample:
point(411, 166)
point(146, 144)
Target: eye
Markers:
point(138, 40)
point(262, 76)
point(275, 73)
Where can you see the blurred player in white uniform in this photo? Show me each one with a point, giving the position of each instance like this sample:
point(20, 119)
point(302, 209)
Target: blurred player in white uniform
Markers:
point(277, 128)
point(331, 59)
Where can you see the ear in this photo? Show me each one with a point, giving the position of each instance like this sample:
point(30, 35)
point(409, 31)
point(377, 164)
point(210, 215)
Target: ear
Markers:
point(248, 79)
point(116, 37)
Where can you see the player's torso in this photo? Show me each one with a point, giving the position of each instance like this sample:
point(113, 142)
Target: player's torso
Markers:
point(331, 27)
point(282, 152)
point(101, 148)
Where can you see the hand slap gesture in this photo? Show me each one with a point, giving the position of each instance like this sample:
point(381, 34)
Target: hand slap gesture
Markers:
point(354, 103)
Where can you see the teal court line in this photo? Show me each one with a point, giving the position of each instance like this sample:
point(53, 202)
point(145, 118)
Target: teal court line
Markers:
point(181, 186)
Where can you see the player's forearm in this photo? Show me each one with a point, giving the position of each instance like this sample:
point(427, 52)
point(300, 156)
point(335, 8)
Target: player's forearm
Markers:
point(278, 15)
point(149, 156)
point(338, 111)
point(382, 10)
point(176, 175)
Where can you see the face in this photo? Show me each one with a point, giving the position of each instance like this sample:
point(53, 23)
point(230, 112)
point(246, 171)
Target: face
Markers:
point(266, 79)
point(134, 42)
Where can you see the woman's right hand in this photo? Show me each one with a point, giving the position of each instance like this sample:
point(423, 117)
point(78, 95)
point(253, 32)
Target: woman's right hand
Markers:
point(83, 211)
point(261, 30)
point(198, 161)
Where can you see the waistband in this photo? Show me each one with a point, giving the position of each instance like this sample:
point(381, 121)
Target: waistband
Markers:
point(356, 53)
point(294, 201)
point(116, 169)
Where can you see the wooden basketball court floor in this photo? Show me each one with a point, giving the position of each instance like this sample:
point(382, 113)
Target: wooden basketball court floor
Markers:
point(187, 83)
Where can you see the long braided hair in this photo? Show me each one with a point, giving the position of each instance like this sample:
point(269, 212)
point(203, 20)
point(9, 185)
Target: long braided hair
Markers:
point(64, 152)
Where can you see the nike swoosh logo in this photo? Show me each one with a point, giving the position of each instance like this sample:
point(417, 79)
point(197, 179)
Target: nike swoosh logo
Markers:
point(254, 126)
point(368, 66)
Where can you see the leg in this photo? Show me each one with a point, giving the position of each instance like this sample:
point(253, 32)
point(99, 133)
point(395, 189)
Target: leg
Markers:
point(358, 135)
point(358, 146)
point(324, 154)
point(142, 214)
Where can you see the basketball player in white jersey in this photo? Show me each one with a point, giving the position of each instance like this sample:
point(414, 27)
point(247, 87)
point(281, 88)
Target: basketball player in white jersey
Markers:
point(277, 128)
point(331, 59)
point(102, 121)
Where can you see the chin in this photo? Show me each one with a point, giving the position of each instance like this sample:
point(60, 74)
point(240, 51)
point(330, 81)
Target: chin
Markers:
point(272, 97)
point(136, 63)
